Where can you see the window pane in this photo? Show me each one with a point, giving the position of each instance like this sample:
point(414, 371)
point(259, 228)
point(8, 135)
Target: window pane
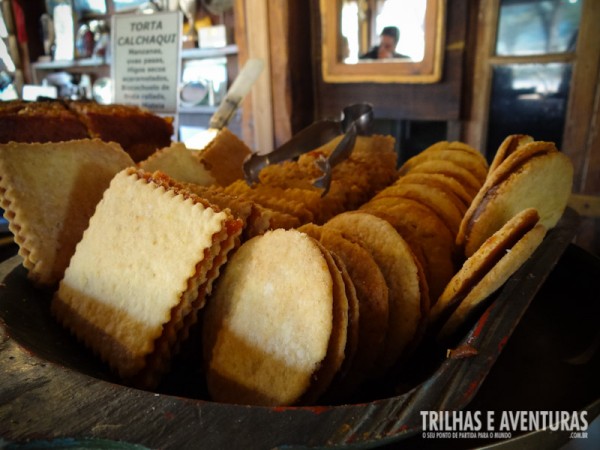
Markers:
point(124, 5)
point(528, 99)
point(90, 6)
point(534, 27)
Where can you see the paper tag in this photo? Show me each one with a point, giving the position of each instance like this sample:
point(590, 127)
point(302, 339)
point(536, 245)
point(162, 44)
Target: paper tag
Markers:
point(146, 60)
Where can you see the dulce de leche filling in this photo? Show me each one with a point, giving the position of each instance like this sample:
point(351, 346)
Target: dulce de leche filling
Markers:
point(491, 192)
point(501, 245)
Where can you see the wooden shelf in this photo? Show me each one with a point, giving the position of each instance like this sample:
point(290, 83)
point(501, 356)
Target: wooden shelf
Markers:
point(69, 64)
point(200, 109)
point(186, 53)
point(203, 53)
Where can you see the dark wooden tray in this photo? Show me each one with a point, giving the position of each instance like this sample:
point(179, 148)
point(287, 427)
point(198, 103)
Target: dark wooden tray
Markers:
point(51, 387)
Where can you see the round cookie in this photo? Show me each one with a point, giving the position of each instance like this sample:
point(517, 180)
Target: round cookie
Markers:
point(507, 147)
point(372, 293)
point(450, 169)
point(486, 270)
point(336, 349)
point(430, 196)
point(543, 182)
point(267, 327)
point(452, 187)
point(427, 235)
point(352, 330)
point(462, 146)
point(509, 164)
point(473, 162)
point(396, 261)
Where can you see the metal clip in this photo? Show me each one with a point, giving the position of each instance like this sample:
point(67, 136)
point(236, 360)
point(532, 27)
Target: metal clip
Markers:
point(356, 120)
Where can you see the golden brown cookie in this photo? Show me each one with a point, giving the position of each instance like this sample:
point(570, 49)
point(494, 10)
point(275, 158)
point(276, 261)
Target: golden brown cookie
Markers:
point(337, 347)
point(179, 163)
point(271, 198)
point(453, 188)
point(373, 308)
point(507, 147)
point(472, 161)
point(534, 176)
point(224, 157)
point(141, 272)
point(49, 192)
point(487, 269)
point(396, 261)
point(439, 166)
point(512, 159)
point(435, 198)
point(427, 235)
point(353, 330)
point(138, 131)
point(268, 324)
point(255, 218)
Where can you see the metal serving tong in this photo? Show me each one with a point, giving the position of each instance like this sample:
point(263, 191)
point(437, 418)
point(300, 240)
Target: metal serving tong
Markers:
point(356, 120)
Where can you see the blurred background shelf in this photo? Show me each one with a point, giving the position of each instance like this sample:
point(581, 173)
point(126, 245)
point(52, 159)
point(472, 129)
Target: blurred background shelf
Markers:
point(69, 64)
point(202, 53)
point(96, 67)
point(202, 109)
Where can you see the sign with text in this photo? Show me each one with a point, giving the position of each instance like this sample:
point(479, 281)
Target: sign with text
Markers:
point(146, 60)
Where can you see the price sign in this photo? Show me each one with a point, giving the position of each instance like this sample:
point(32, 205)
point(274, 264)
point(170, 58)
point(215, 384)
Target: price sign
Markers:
point(146, 60)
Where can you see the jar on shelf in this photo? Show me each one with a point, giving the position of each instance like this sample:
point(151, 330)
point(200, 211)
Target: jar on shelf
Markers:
point(84, 42)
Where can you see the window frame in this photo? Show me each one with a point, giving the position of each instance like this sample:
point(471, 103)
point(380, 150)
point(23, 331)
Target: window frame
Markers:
point(582, 107)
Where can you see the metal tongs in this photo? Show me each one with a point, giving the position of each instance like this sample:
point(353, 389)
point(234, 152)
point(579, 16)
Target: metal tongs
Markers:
point(356, 120)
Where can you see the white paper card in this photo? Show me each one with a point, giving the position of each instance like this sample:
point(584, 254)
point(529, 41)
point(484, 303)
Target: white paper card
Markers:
point(146, 62)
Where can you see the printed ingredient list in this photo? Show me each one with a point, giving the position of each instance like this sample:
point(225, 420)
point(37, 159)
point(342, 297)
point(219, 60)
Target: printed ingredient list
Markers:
point(146, 60)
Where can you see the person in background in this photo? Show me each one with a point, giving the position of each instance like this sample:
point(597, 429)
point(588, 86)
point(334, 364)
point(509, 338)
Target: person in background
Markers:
point(388, 40)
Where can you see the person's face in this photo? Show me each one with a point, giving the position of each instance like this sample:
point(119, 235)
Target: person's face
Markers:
point(387, 46)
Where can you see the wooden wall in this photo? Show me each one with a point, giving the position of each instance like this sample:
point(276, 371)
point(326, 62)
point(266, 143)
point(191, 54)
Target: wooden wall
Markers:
point(298, 95)
point(280, 33)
